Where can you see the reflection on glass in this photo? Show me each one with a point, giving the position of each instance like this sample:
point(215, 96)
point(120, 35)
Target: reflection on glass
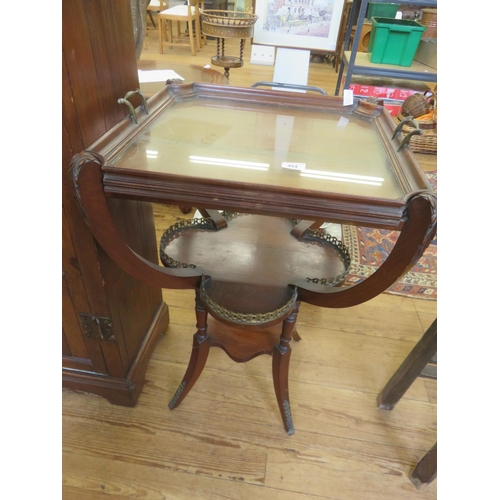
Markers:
point(343, 121)
point(221, 162)
point(342, 177)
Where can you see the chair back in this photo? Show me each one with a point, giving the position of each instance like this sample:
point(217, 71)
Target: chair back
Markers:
point(198, 6)
point(189, 13)
point(157, 5)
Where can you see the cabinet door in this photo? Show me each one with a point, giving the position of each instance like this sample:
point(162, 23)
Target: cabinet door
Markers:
point(80, 351)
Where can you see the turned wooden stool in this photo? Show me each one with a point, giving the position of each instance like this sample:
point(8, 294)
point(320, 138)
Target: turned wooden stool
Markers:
point(421, 362)
point(250, 265)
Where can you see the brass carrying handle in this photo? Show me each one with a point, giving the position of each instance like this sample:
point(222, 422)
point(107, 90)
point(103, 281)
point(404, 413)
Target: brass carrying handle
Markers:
point(406, 140)
point(131, 110)
point(408, 136)
point(408, 119)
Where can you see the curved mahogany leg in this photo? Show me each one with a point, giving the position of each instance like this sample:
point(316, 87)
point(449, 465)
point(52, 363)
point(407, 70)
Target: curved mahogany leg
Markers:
point(199, 355)
point(281, 361)
point(300, 229)
point(215, 215)
point(417, 232)
point(87, 174)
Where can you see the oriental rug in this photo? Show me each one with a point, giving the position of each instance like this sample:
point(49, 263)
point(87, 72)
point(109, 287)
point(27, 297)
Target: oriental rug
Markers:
point(370, 247)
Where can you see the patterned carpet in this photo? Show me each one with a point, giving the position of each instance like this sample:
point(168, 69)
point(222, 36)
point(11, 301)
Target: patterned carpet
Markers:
point(369, 247)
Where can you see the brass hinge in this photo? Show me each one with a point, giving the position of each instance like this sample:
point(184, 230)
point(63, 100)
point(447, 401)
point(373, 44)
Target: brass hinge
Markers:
point(96, 327)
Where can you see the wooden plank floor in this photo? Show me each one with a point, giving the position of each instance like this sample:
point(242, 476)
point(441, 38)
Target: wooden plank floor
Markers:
point(226, 440)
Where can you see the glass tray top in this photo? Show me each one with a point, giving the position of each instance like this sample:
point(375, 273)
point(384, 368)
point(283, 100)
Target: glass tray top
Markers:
point(266, 144)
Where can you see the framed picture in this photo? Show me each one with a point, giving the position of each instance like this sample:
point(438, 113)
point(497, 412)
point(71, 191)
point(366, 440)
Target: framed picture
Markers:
point(306, 24)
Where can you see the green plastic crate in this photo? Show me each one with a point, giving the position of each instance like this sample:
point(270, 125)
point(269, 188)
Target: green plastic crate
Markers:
point(380, 9)
point(394, 41)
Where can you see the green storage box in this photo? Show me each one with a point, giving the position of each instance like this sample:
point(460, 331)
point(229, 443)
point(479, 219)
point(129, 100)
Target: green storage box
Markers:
point(394, 41)
point(380, 9)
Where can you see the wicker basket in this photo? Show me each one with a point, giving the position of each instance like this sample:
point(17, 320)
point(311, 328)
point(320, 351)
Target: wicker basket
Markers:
point(228, 18)
point(417, 105)
point(228, 24)
point(425, 143)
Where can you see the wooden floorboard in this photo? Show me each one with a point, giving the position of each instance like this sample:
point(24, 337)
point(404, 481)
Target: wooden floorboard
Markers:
point(226, 440)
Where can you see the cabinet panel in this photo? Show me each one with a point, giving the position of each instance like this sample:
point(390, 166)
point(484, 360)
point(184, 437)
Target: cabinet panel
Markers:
point(65, 346)
point(74, 300)
point(110, 320)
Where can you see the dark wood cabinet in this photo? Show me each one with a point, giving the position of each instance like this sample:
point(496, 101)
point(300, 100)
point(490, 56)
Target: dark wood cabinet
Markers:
point(110, 320)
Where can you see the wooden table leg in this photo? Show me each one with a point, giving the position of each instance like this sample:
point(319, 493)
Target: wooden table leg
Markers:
point(219, 221)
point(300, 229)
point(426, 470)
point(409, 370)
point(199, 355)
point(281, 361)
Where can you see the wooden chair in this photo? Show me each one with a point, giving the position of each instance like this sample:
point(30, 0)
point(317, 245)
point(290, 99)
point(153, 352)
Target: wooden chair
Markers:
point(201, 7)
point(156, 6)
point(189, 14)
point(249, 294)
point(421, 362)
